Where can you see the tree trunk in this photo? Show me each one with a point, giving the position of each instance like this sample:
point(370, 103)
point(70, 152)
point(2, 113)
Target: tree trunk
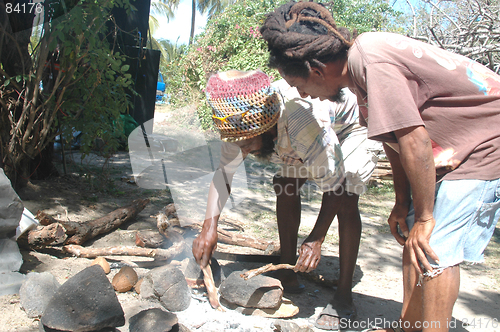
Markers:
point(193, 19)
point(15, 28)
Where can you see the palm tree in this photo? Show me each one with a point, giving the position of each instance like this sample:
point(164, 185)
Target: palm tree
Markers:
point(165, 8)
point(170, 52)
point(211, 7)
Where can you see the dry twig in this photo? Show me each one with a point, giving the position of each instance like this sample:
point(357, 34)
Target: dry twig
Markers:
point(266, 268)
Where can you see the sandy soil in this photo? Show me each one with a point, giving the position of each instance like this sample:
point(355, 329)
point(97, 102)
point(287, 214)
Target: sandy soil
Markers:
point(84, 195)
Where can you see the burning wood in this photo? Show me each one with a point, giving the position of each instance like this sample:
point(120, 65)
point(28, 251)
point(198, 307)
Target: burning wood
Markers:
point(208, 278)
point(168, 216)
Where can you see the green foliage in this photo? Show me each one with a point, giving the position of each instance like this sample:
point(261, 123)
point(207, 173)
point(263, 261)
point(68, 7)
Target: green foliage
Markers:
point(232, 40)
point(364, 15)
point(94, 77)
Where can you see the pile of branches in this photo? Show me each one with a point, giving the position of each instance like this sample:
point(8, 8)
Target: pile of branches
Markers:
point(467, 27)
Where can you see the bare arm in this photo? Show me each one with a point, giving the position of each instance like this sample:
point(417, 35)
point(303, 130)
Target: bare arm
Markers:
point(403, 196)
point(206, 242)
point(310, 250)
point(418, 162)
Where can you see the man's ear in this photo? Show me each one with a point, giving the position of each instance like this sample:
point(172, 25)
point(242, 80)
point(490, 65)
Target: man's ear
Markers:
point(317, 72)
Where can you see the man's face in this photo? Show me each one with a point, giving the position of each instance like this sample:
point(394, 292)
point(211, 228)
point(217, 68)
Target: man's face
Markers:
point(262, 146)
point(323, 83)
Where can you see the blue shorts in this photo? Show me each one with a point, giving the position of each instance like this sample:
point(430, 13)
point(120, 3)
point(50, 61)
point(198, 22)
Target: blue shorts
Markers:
point(466, 213)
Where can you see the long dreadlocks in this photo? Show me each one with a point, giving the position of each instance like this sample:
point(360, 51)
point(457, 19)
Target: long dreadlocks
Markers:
point(301, 34)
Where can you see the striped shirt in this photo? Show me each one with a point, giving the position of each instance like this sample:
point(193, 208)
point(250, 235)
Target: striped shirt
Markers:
point(306, 136)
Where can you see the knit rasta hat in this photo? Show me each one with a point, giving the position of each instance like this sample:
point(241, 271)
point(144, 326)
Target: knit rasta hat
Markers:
point(244, 104)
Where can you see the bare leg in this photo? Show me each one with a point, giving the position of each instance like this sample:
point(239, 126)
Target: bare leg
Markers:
point(440, 294)
point(412, 294)
point(428, 307)
point(288, 207)
point(349, 237)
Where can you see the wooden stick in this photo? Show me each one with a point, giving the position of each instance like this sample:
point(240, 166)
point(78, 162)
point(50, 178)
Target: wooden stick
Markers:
point(241, 240)
point(312, 276)
point(266, 268)
point(85, 252)
point(168, 215)
point(208, 278)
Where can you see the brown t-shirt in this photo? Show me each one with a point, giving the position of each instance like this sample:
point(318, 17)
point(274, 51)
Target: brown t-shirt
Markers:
point(401, 82)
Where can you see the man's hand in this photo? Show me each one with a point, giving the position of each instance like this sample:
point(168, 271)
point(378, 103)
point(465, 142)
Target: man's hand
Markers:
point(417, 244)
point(204, 245)
point(309, 255)
point(397, 221)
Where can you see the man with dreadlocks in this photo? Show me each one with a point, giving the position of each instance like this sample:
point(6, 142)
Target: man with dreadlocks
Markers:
point(301, 136)
point(438, 115)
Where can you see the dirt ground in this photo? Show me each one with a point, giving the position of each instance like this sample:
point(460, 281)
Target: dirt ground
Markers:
point(95, 186)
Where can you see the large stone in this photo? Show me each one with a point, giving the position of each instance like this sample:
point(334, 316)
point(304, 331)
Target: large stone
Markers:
point(11, 207)
point(36, 291)
point(152, 320)
point(85, 302)
point(10, 262)
point(43, 328)
point(167, 285)
point(285, 310)
point(180, 328)
point(257, 292)
point(288, 326)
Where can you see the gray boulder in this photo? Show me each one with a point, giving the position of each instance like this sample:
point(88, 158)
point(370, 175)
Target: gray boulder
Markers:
point(152, 320)
point(281, 325)
point(167, 285)
point(11, 207)
point(258, 292)
point(36, 291)
point(85, 302)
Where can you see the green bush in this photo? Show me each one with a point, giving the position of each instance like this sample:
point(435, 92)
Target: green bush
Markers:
point(95, 77)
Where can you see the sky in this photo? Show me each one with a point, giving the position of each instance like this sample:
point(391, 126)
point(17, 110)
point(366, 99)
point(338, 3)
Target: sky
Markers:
point(180, 25)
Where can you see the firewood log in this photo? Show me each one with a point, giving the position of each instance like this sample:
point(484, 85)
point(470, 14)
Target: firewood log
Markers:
point(160, 254)
point(43, 236)
point(82, 232)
